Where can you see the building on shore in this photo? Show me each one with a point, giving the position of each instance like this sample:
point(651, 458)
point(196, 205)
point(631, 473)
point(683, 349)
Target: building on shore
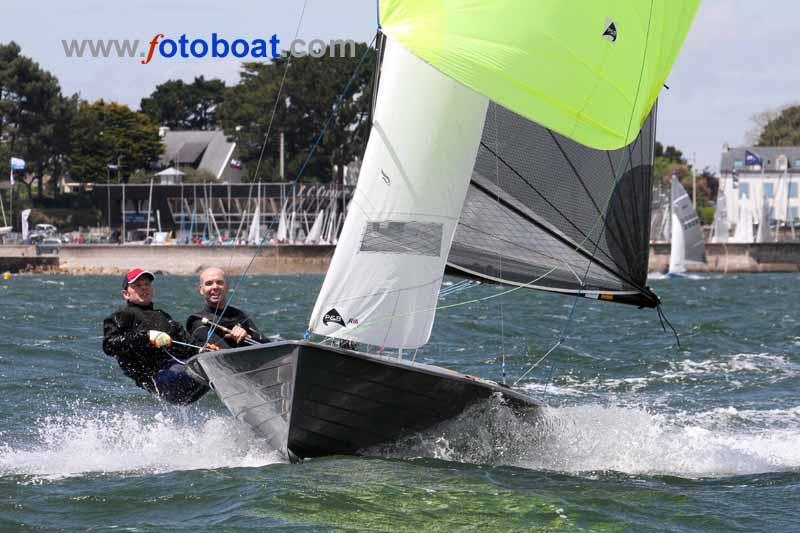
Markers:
point(760, 188)
point(207, 150)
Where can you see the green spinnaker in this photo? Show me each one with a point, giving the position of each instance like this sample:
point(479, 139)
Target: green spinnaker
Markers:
point(552, 61)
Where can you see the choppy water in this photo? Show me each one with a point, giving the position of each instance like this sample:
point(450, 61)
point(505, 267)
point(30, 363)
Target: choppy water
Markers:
point(639, 435)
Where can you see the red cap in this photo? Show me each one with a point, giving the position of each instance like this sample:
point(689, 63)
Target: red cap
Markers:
point(134, 274)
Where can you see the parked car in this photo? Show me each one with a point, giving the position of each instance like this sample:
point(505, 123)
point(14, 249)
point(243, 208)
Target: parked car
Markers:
point(49, 245)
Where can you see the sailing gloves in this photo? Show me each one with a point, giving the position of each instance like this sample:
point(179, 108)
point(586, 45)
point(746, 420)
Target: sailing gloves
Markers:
point(159, 339)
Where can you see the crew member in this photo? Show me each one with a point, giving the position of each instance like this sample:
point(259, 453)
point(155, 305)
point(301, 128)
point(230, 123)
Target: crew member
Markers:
point(140, 338)
point(242, 330)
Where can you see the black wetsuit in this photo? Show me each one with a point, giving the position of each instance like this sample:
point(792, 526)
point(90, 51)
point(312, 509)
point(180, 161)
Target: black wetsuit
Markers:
point(126, 338)
point(232, 317)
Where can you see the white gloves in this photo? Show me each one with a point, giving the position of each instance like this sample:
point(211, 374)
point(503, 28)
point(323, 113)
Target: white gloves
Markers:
point(159, 339)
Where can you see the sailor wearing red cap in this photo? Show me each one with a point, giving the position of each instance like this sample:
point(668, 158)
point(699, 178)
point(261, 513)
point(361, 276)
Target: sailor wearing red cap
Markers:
point(140, 337)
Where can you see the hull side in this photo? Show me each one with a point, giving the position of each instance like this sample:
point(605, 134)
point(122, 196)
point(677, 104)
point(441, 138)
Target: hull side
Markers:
point(317, 400)
point(256, 385)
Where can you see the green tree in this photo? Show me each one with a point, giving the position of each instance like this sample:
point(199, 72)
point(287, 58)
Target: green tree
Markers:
point(782, 130)
point(308, 99)
point(106, 133)
point(665, 162)
point(185, 106)
point(35, 119)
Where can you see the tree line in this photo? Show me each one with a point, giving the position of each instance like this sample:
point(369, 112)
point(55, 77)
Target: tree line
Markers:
point(60, 135)
point(63, 135)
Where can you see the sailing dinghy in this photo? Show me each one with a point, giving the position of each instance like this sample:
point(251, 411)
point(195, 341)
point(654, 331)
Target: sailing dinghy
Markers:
point(687, 246)
point(511, 141)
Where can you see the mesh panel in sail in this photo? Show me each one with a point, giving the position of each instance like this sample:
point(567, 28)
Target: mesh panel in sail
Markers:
point(545, 211)
point(412, 238)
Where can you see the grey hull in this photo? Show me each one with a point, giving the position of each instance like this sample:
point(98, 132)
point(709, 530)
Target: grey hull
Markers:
point(312, 400)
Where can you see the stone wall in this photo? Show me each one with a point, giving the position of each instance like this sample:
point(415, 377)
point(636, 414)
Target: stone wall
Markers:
point(285, 259)
point(739, 257)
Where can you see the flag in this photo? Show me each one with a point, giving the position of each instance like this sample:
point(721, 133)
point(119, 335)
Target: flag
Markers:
point(16, 164)
point(751, 159)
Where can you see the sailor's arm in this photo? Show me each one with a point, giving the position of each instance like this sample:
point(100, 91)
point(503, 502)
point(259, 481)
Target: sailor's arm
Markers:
point(120, 337)
point(177, 332)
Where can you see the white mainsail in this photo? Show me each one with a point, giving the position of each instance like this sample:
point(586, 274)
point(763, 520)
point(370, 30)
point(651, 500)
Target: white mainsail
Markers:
point(744, 225)
point(315, 233)
point(764, 234)
point(384, 279)
point(721, 228)
point(282, 235)
point(292, 228)
point(254, 235)
point(687, 244)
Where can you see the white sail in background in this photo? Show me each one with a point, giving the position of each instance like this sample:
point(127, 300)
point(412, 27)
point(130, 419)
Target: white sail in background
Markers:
point(687, 244)
point(781, 211)
point(292, 228)
point(254, 235)
point(764, 233)
point(282, 235)
point(744, 225)
point(315, 233)
point(26, 213)
point(720, 229)
point(383, 282)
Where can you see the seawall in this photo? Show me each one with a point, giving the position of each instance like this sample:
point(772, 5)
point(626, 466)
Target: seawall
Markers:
point(739, 257)
point(290, 259)
point(113, 259)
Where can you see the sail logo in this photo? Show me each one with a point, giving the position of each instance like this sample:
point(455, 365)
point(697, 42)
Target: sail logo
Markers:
point(333, 316)
point(385, 177)
point(610, 32)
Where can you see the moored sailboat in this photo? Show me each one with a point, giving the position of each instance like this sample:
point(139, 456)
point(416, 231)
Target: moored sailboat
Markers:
point(687, 246)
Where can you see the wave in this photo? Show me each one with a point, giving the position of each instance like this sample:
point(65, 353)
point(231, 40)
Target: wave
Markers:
point(125, 442)
point(737, 370)
point(592, 438)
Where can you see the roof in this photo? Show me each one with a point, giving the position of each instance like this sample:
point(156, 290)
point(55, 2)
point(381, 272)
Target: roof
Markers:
point(768, 154)
point(207, 150)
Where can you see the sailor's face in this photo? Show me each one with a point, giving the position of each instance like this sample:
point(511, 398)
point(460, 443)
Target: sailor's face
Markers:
point(140, 292)
point(214, 288)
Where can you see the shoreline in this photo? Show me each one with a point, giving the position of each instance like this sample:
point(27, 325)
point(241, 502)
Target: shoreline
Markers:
point(110, 259)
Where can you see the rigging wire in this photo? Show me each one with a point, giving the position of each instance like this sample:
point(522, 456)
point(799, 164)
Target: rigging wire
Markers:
point(335, 111)
point(258, 165)
point(600, 216)
point(300, 173)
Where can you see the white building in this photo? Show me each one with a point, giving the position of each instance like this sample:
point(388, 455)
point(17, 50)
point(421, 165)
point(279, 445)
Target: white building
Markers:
point(761, 183)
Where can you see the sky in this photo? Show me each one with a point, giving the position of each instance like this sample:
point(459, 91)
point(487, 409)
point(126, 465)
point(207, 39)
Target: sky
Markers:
point(741, 56)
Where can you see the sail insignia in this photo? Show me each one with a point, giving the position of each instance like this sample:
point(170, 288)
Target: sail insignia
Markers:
point(334, 317)
point(610, 33)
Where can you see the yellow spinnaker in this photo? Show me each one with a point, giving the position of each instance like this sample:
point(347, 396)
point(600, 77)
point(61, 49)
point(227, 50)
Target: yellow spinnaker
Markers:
point(588, 69)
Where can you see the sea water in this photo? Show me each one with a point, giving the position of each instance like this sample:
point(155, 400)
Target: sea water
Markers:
point(638, 434)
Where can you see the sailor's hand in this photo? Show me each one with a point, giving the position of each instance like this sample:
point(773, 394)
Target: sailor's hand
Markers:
point(237, 334)
point(159, 339)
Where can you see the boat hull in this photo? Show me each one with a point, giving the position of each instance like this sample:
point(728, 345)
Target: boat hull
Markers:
point(311, 400)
